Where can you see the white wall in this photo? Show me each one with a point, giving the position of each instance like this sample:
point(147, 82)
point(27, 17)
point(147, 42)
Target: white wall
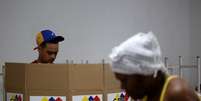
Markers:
point(93, 27)
point(195, 28)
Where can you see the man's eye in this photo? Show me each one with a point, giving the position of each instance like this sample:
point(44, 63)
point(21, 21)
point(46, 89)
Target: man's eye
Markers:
point(49, 53)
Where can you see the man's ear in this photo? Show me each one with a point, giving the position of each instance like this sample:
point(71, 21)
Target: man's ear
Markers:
point(39, 49)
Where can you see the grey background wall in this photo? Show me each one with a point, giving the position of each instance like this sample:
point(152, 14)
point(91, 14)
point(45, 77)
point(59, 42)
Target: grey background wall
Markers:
point(195, 32)
point(195, 27)
point(93, 27)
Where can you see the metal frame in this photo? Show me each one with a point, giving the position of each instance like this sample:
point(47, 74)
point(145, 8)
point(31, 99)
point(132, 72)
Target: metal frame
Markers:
point(198, 64)
point(3, 77)
point(191, 66)
point(181, 66)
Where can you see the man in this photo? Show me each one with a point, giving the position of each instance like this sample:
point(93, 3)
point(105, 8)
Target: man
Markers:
point(138, 65)
point(48, 46)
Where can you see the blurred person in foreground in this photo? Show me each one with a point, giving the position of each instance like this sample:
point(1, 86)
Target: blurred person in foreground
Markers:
point(137, 64)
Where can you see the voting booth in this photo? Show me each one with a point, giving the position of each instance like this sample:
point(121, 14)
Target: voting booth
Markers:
point(85, 82)
point(112, 91)
point(36, 82)
point(61, 82)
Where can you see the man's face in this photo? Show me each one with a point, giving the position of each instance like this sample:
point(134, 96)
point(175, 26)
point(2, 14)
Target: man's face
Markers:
point(48, 53)
point(135, 85)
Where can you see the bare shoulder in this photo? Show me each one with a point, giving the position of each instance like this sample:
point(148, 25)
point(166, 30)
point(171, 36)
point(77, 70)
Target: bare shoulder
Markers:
point(179, 90)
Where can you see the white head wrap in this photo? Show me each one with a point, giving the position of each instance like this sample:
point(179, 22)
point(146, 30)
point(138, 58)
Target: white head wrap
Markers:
point(139, 54)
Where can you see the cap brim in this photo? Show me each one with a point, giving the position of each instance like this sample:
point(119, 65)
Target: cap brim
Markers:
point(57, 39)
point(35, 48)
point(54, 40)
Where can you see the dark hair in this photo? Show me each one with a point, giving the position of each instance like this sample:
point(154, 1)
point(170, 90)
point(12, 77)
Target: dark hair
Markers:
point(161, 76)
